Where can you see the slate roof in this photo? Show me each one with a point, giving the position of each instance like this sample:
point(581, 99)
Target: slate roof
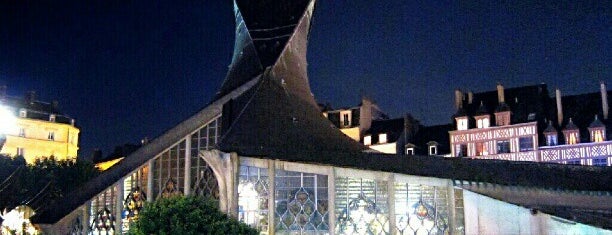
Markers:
point(392, 127)
point(36, 109)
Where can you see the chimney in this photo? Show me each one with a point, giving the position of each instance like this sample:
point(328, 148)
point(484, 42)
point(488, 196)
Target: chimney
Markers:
point(55, 105)
point(559, 107)
point(470, 97)
point(500, 93)
point(30, 97)
point(458, 99)
point(2, 92)
point(604, 100)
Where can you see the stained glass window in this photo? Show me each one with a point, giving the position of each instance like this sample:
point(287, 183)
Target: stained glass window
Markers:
point(361, 206)
point(104, 222)
point(421, 209)
point(301, 204)
point(102, 219)
point(171, 189)
point(133, 203)
point(203, 178)
point(253, 192)
point(77, 227)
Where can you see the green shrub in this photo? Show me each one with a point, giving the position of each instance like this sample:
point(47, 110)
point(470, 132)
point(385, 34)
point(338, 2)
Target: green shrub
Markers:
point(186, 215)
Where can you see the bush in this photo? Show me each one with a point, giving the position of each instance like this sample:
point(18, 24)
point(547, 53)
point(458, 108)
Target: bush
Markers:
point(186, 215)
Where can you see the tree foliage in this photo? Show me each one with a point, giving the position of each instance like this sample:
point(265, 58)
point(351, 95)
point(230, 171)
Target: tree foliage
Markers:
point(41, 183)
point(186, 215)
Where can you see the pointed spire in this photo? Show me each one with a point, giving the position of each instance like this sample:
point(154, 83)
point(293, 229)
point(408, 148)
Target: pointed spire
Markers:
point(482, 109)
point(550, 128)
point(596, 123)
point(570, 125)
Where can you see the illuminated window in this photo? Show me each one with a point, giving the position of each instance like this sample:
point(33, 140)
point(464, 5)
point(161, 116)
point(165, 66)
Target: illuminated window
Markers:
point(433, 150)
point(367, 140)
point(598, 136)
point(461, 150)
point(51, 135)
point(482, 123)
point(21, 132)
point(600, 161)
point(503, 146)
point(345, 118)
point(52, 118)
point(525, 144)
point(481, 149)
point(421, 209)
point(382, 138)
point(572, 138)
point(551, 140)
point(409, 151)
point(462, 124)
point(253, 193)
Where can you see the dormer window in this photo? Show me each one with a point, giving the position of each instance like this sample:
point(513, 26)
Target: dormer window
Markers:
point(409, 149)
point(23, 113)
point(550, 133)
point(382, 138)
point(345, 118)
point(572, 135)
point(433, 150)
point(482, 122)
point(502, 118)
point(52, 118)
point(597, 130)
point(433, 147)
point(482, 117)
point(462, 123)
point(367, 140)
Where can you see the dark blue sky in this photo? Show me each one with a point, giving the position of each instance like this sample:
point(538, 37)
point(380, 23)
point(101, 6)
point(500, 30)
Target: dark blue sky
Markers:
point(129, 69)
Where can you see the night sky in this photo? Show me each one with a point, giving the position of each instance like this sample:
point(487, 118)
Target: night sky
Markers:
point(130, 69)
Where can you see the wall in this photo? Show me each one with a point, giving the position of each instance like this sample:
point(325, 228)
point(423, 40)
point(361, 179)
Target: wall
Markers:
point(485, 215)
point(389, 148)
point(36, 143)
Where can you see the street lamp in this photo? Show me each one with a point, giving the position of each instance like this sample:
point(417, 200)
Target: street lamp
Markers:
point(7, 123)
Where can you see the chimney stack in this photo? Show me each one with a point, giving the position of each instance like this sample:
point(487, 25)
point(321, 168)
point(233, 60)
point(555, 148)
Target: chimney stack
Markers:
point(30, 97)
point(559, 106)
point(604, 100)
point(55, 105)
point(500, 93)
point(458, 99)
point(470, 97)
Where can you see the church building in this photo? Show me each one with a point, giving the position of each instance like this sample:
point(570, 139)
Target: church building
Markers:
point(265, 151)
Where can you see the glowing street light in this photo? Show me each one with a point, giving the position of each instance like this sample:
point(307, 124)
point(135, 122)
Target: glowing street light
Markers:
point(7, 120)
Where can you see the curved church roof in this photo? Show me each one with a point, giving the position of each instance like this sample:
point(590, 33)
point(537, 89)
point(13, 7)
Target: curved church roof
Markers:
point(269, 112)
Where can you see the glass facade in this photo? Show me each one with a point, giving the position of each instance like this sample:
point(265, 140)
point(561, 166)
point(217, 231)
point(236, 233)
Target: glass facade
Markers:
point(253, 193)
point(421, 209)
point(203, 179)
point(361, 206)
point(102, 217)
point(301, 205)
point(168, 180)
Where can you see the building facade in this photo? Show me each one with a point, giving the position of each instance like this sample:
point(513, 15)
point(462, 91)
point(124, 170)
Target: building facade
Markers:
point(35, 129)
point(541, 135)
